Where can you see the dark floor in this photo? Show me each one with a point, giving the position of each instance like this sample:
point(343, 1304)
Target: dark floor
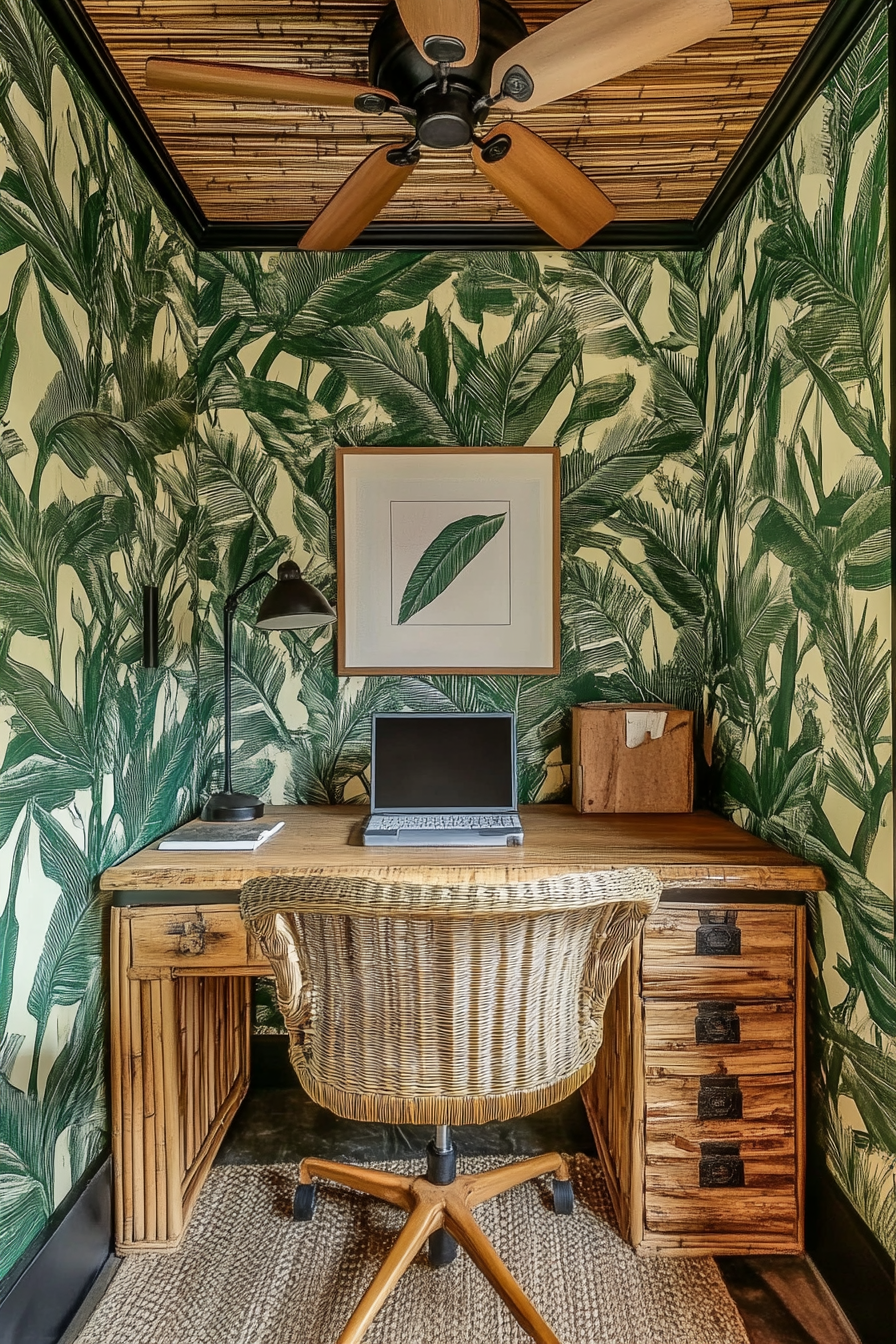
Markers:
point(278, 1123)
point(781, 1298)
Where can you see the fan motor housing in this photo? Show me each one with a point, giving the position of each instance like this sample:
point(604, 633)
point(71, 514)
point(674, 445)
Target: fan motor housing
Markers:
point(445, 120)
point(445, 117)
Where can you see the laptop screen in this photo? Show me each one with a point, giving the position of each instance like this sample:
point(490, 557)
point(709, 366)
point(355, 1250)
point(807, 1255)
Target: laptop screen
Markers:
point(436, 762)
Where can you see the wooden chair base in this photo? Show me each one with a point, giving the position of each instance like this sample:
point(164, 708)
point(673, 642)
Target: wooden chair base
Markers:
point(430, 1207)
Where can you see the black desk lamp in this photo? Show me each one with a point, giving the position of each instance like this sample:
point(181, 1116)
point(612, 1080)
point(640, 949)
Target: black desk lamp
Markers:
point(292, 604)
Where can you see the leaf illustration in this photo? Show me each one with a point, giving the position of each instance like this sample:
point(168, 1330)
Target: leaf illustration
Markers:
point(597, 400)
point(445, 557)
point(9, 925)
point(71, 942)
point(492, 282)
point(855, 421)
point(869, 515)
point(9, 346)
point(516, 383)
point(25, 1204)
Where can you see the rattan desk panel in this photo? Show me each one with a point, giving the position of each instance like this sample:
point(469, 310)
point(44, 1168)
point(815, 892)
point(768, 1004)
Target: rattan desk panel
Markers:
point(182, 966)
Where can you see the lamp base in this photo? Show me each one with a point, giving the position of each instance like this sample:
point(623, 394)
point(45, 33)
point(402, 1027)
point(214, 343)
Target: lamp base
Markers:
point(232, 807)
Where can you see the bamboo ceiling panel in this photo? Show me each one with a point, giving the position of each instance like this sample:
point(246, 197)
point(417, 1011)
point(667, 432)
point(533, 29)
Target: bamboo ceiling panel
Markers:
point(656, 140)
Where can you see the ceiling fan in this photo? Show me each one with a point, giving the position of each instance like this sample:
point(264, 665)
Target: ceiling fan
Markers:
point(442, 65)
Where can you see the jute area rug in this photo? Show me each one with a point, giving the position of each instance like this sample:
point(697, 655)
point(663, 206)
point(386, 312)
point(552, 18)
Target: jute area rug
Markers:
point(247, 1274)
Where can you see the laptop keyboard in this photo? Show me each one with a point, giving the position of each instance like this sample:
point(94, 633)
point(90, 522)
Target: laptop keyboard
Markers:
point(444, 821)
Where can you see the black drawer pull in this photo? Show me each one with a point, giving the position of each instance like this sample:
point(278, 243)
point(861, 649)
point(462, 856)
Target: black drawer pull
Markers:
point(721, 1165)
point(720, 1097)
point(716, 1023)
point(718, 934)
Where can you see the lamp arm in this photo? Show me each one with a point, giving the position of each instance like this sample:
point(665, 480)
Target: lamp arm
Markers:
point(229, 609)
point(232, 598)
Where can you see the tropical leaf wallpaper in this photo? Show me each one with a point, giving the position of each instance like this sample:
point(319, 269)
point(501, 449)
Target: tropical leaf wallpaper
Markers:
point(495, 349)
point(97, 486)
point(723, 426)
point(796, 520)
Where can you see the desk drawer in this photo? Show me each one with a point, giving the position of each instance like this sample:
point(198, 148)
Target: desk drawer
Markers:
point(709, 1217)
point(728, 1178)
point(713, 1035)
point(186, 936)
point(686, 1111)
point(720, 952)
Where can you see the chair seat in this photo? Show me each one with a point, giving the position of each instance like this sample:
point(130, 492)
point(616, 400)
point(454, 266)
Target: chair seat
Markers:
point(480, 1109)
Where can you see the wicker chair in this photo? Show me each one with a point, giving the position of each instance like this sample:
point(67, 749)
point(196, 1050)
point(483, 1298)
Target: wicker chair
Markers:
point(444, 1005)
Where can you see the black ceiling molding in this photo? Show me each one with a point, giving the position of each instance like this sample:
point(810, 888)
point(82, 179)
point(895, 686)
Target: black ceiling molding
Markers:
point(838, 28)
point(665, 235)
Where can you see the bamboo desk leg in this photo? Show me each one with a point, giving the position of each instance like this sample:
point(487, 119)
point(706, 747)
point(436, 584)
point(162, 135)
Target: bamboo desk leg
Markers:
point(180, 1068)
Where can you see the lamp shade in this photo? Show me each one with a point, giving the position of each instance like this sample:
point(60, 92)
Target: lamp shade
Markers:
point(293, 603)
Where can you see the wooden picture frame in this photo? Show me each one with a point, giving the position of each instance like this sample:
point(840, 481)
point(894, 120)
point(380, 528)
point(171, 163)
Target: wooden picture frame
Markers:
point(425, 536)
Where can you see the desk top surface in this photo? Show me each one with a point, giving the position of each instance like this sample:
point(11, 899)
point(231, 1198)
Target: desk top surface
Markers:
point(688, 850)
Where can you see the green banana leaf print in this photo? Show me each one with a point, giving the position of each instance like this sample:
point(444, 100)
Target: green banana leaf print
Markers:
point(800, 694)
point(97, 498)
point(170, 417)
point(445, 557)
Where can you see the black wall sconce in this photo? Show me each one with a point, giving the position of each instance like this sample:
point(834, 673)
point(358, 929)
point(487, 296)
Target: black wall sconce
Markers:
point(150, 625)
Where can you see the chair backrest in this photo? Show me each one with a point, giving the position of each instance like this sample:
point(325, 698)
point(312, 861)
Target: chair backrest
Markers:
point(429, 1004)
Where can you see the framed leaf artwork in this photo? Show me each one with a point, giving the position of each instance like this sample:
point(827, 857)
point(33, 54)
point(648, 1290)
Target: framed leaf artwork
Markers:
point(448, 560)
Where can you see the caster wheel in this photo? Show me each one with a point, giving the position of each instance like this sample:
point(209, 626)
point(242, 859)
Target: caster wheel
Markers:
point(564, 1200)
point(442, 1248)
point(303, 1203)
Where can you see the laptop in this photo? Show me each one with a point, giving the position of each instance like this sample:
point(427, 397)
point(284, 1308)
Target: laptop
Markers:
point(443, 779)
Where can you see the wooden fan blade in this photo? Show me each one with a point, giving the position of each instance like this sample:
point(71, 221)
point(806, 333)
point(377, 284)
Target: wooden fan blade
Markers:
point(359, 200)
point(454, 20)
point(210, 79)
point(553, 192)
point(603, 39)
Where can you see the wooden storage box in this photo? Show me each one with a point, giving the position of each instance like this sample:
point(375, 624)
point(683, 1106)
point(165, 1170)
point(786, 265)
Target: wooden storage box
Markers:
point(656, 774)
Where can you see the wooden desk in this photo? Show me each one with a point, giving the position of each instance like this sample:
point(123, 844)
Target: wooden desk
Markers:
point(696, 849)
point(182, 965)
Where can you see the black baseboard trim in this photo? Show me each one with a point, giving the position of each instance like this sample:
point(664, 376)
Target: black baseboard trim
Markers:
point(850, 1259)
point(43, 1291)
point(270, 1065)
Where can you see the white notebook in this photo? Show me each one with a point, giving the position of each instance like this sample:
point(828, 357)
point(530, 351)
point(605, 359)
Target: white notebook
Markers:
point(245, 835)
